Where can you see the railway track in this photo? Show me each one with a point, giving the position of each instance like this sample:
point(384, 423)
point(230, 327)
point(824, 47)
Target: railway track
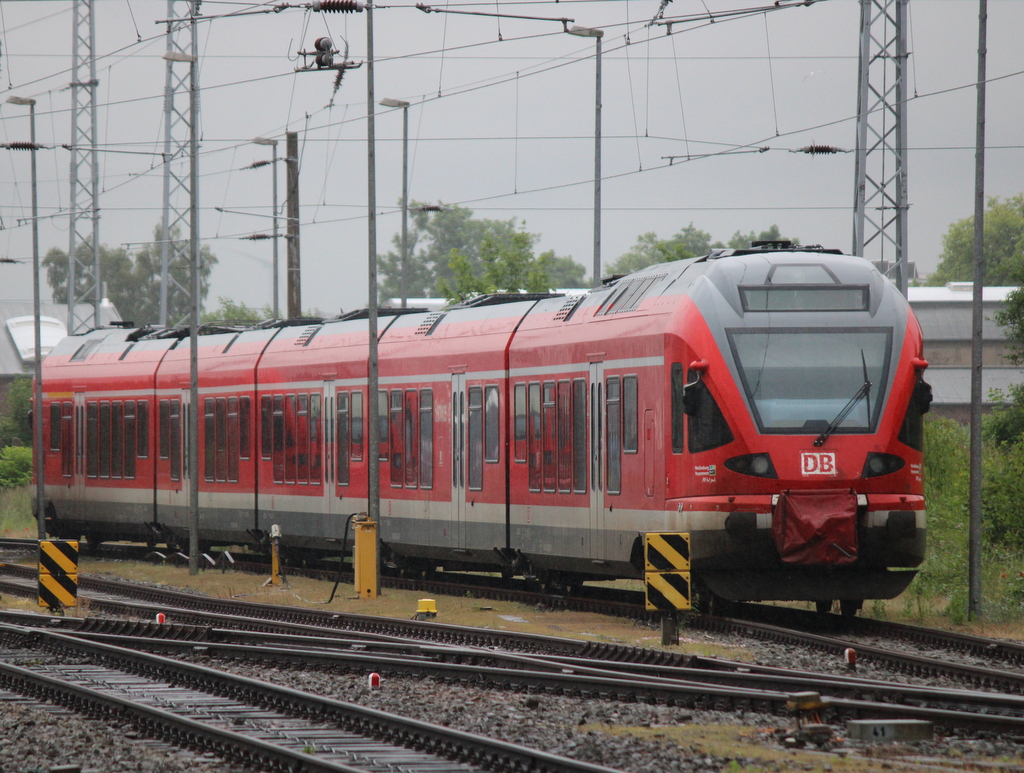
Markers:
point(246, 720)
point(315, 639)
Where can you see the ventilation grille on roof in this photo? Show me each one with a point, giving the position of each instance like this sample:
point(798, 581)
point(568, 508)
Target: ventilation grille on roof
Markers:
point(429, 323)
point(307, 335)
point(569, 306)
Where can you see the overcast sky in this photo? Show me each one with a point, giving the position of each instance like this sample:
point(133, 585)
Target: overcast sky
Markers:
point(502, 122)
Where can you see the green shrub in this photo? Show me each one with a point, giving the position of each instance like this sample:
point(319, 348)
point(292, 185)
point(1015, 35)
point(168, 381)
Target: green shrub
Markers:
point(15, 467)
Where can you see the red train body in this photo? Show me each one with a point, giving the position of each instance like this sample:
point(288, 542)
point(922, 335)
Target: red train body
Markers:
point(768, 402)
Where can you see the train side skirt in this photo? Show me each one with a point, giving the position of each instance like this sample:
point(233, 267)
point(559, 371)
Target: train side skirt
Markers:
point(667, 571)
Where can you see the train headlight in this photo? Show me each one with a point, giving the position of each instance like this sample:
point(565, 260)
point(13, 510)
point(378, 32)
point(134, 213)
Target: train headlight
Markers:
point(758, 465)
point(881, 464)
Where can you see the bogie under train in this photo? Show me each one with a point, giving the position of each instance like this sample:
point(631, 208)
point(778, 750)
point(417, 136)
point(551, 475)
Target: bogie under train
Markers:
point(768, 402)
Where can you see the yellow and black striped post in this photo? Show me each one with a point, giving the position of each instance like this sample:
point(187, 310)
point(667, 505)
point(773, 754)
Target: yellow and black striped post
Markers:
point(667, 570)
point(58, 573)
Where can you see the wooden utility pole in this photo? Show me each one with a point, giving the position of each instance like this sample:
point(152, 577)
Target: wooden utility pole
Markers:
point(294, 275)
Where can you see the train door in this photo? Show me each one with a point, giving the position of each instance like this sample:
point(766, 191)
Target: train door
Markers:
point(458, 516)
point(328, 464)
point(597, 460)
point(177, 435)
point(75, 506)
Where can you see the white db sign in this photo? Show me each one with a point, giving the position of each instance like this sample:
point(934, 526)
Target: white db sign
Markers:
point(818, 462)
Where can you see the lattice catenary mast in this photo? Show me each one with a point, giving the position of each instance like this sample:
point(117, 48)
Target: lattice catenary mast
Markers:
point(880, 177)
point(84, 286)
point(175, 260)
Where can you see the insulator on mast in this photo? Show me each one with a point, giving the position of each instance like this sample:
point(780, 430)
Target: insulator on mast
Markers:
point(339, 6)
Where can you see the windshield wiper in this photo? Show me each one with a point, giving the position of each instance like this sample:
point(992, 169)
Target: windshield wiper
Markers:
point(863, 393)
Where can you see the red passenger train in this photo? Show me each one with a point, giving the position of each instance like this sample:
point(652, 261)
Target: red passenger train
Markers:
point(767, 401)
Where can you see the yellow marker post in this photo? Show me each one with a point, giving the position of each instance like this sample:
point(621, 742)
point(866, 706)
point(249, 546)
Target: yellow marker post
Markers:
point(364, 557)
point(276, 578)
point(58, 573)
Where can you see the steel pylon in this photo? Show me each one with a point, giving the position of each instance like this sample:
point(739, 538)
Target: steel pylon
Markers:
point(880, 178)
point(84, 285)
point(180, 112)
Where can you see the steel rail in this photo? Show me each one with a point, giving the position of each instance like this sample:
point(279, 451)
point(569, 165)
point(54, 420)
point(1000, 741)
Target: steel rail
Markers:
point(692, 687)
point(170, 727)
point(446, 742)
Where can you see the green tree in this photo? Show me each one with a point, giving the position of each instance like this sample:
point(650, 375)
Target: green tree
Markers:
point(1004, 246)
point(237, 313)
point(742, 241)
point(133, 282)
point(14, 427)
point(508, 266)
point(435, 231)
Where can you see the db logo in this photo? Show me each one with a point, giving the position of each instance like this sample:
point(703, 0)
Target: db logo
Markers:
point(818, 463)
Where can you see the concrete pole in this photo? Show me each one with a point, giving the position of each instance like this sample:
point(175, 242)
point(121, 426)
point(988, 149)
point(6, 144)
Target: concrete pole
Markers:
point(974, 499)
point(193, 411)
point(373, 433)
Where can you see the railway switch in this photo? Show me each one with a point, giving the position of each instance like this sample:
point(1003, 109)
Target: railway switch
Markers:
point(58, 573)
point(364, 557)
point(667, 570)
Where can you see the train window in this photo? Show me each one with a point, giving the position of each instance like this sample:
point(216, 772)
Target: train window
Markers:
point(92, 457)
point(807, 297)
point(232, 438)
point(165, 429)
point(130, 438)
point(54, 426)
point(550, 433)
point(534, 433)
point(174, 439)
point(676, 380)
point(382, 425)
point(343, 438)
point(244, 425)
point(476, 438)
point(315, 439)
point(222, 439)
point(630, 410)
point(397, 439)
point(357, 425)
point(266, 427)
point(707, 426)
point(564, 436)
point(104, 441)
point(116, 439)
point(426, 438)
point(67, 453)
point(411, 438)
point(613, 435)
point(142, 446)
point(290, 450)
point(797, 380)
point(209, 438)
point(302, 438)
point(579, 436)
point(492, 419)
point(520, 422)
point(278, 438)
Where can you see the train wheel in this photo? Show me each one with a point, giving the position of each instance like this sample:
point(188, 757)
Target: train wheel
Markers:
point(850, 607)
point(823, 607)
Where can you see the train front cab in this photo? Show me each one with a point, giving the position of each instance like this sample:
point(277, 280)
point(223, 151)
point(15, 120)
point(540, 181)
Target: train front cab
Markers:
point(786, 496)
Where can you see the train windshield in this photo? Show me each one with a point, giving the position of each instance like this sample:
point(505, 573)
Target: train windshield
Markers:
point(800, 380)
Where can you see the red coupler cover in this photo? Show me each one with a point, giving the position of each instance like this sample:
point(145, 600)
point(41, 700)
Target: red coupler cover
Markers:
point(816, 527)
